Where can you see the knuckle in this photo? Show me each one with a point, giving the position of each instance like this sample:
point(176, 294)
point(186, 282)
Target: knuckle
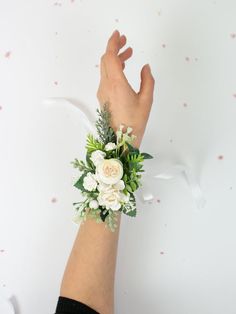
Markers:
point(103, 57)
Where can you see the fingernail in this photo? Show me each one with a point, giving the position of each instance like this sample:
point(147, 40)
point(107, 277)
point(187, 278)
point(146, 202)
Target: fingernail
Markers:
point(114, 32)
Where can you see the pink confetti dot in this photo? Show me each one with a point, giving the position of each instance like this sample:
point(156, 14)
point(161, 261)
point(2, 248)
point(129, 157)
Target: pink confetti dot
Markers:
point(162, 253)
point(158, 201)
point(220, 157)
point(234, 95)
point(233, 35)
point(2, 251)
point(163, 45)
point(187, 59)
point(8, 54)
point(54, 200)
point(185, 104)
point(55, 82)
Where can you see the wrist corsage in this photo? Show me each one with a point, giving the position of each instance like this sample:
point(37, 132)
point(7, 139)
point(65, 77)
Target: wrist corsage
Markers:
point(110, 175)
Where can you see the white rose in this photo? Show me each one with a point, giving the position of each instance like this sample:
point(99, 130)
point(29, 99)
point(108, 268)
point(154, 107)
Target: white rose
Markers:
point(110, 198)
point(120, 185)
point(89, 182)
point(93, 204)
point(97, 156)
point(109, 171)
point(110, 146)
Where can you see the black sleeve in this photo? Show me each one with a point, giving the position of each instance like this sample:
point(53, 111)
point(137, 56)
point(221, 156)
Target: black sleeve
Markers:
point(70, 306)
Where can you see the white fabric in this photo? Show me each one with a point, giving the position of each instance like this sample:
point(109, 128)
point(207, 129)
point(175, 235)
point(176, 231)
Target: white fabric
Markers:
point(6, 306)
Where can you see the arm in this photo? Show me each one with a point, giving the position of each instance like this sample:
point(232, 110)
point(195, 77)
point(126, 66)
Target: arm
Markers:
point(90, 271)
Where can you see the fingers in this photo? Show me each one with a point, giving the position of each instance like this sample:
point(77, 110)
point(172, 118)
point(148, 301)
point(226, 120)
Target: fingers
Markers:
point(146, 85)
point(125, 54)
point(113, 44)
point(112, 64)
point(122, 41)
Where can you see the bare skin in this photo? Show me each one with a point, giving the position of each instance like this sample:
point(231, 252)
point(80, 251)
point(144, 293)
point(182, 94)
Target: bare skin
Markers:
point(90, 271)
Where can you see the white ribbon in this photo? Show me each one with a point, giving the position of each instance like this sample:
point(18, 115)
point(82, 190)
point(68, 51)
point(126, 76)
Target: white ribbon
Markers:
point(6, 306)
point(167, 172)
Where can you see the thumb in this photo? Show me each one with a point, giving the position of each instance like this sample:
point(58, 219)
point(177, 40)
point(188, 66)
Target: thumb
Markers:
point(147, 84)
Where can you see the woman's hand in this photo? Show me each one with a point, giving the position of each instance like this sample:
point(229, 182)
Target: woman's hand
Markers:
point(126, 106)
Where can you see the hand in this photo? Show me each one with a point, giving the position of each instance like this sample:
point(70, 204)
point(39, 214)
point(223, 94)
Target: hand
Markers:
point(126, 106)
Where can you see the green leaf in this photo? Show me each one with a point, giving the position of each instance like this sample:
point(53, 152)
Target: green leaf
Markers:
point(132, 149)
point(135, 158)
point(93, 144)
point(125, 177)
point(79, 183)
point(132, 213)
point(128, 188)
point(146, 156)
point(89, 162)
point(133, 186)
point(104, 213)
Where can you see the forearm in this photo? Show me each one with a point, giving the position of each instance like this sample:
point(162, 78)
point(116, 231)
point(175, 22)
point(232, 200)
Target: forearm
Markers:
point(90, 271)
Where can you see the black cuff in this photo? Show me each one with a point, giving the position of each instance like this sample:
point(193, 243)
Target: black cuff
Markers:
point(70, 306)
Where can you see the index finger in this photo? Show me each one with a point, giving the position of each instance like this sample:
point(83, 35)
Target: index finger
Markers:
point(113, 44)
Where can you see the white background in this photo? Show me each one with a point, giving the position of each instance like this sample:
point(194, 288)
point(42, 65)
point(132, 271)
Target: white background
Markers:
point(172, 258)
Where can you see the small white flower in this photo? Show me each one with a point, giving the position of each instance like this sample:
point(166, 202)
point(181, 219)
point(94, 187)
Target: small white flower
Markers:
point(121, 127)
point(109, 171)
point(118, 136)
point(111, 196)
point(125, 198)
point(110, 146)
point(89, 182)
point(97, 156)
point(128, 138)
point(93, 204)
point(103, 186)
